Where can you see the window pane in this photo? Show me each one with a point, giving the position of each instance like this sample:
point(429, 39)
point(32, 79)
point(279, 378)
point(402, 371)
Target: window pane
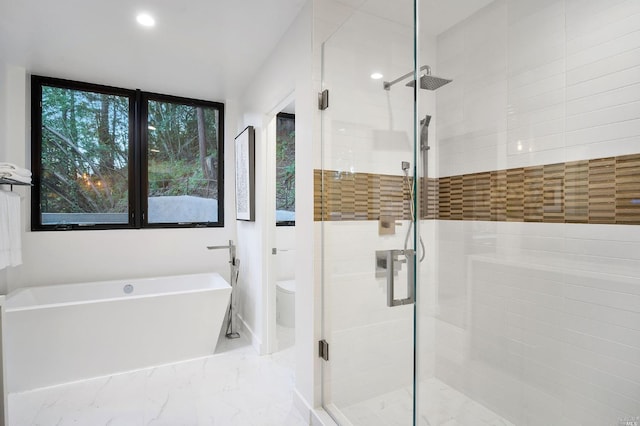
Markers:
point(183, 164)
point(84, 159)
point(285, 169)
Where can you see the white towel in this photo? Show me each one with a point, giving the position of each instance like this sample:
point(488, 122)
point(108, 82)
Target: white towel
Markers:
point(10, 230)
point(14, 176)
point(10, 167)
point(15, 228)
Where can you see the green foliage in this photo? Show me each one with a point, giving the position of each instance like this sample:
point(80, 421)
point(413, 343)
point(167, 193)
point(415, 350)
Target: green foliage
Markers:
point(85, 142)
point(173, 131)
point(85, 151)
point(176, 165)
point(178, 178)
point(285, 163)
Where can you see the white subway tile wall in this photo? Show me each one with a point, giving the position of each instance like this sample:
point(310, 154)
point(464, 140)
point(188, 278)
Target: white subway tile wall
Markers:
point(539, 83)
point(540, 322)
point(371, 344)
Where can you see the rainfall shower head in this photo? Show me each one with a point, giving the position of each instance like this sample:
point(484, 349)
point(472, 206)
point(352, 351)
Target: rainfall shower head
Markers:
point(427, 81)
point(430, 82)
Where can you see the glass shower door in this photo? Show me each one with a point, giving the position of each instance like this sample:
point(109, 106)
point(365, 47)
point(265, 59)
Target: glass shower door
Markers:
point(528, 296)
point(366, 218)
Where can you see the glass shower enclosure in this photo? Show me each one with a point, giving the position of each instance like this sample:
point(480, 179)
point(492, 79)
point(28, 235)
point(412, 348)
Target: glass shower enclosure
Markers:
point(368, 218)
point(480, 238)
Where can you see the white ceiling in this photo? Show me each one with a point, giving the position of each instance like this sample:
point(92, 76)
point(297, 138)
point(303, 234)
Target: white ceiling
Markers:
point(436, 16)
point(206, 49)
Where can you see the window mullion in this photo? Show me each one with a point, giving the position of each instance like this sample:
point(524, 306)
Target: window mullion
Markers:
point(140, 160)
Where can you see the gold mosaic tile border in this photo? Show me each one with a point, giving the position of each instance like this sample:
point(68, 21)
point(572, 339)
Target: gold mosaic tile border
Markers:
point(360, 196)
point(603, 190)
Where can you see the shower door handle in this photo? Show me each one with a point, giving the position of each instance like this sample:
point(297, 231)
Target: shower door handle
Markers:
point(392, 260)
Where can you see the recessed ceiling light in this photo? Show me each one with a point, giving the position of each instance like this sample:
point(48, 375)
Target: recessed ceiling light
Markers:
point(376, 76)
point(145, 20)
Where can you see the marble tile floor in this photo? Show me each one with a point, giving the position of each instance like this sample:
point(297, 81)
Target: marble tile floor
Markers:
point(439, 405)
point(233, 387)
point(286, 337)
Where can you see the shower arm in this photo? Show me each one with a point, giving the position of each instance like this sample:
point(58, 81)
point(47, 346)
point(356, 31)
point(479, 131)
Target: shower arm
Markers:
point(387, 84)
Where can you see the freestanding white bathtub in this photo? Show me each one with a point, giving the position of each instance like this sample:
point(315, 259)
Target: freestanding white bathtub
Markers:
point(63, 333)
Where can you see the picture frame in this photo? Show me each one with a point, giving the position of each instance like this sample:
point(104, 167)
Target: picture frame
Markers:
point(245, 174)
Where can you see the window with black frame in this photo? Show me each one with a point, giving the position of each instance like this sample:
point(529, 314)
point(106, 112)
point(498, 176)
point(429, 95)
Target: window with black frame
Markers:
point(183, 164)
point(285, 169)
point(106, 158)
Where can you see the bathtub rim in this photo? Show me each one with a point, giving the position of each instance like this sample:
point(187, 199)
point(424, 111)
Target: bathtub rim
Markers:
point(8, 308)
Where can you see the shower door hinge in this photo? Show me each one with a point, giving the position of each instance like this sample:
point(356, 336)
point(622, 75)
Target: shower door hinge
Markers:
point(323, 100)
point(323, 349)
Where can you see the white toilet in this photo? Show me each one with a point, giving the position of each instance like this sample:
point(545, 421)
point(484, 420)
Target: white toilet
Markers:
point(285, 303)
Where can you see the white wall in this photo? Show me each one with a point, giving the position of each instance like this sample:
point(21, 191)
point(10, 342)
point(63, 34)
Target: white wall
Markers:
point(287, 71)
point(3, 147)
point(55, 257)
point(13, 107)
point(567, 82)
point(540, 322)
point(76, 256)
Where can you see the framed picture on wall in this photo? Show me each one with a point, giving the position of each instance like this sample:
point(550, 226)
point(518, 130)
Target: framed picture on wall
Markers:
point(245, 174)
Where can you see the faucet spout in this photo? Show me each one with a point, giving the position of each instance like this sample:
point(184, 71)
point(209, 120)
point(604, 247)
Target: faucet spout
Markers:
point(231, 247)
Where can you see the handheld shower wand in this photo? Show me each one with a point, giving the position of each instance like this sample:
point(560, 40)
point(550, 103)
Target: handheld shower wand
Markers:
point(405, 168)
point(424, 158)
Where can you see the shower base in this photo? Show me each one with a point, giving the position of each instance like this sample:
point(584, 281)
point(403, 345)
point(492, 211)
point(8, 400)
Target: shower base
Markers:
point(439, 405)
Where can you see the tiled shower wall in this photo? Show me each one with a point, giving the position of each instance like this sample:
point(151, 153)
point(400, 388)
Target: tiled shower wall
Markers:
point(541, 321)
point(600, 190)
point(538, 298)
point(536, 260)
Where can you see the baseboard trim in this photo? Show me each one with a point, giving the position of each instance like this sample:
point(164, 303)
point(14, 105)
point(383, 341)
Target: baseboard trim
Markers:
point(255, 340)
point(319, 417)
point(339, 417)
point(314, 417)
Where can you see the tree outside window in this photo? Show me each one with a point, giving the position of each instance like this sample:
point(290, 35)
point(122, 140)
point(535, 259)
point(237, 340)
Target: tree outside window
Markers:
point(285, 169)
point(105, 157)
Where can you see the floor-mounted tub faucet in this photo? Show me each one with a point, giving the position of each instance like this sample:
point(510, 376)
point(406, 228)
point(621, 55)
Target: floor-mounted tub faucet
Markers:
point(234, 266)
point(230, 246)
